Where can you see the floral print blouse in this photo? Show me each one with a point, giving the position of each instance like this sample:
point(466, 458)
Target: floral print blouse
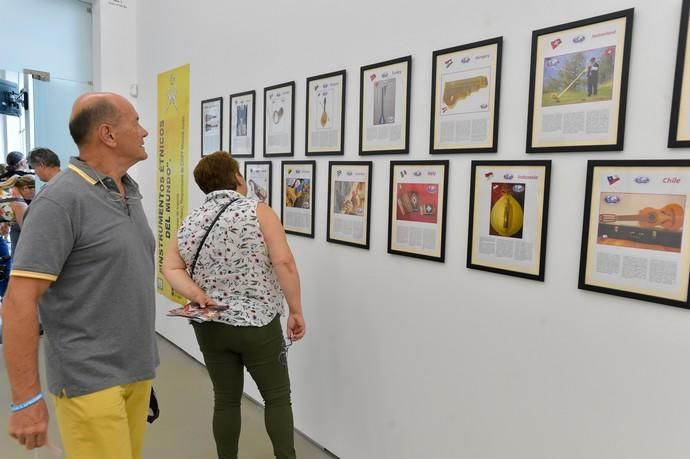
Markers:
point(6, 212)
point(233, 266)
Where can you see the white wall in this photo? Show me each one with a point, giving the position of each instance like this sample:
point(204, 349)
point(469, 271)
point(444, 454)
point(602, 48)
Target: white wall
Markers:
point(115, 43)
point(406, 358)
point(115, 51)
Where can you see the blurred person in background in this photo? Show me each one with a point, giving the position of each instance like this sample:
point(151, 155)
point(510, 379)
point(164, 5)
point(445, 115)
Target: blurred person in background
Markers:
point(45, 163)
point(17, 194)
point(15, 165)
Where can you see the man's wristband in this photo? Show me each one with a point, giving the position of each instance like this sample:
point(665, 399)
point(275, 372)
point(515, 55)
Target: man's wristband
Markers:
point(20, 406)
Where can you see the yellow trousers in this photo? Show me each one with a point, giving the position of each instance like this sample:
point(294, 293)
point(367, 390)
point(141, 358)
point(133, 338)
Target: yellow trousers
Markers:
point(108, 424)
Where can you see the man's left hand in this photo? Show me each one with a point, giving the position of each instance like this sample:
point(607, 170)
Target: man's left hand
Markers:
point(30, 425)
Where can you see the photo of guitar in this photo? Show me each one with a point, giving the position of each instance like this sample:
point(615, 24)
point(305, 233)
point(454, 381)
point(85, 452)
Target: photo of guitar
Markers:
point(669, 217)
point(637, 220)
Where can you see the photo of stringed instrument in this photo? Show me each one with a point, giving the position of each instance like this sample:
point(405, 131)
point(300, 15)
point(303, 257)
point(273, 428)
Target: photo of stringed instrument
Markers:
point(324, 115)
point(669, 217)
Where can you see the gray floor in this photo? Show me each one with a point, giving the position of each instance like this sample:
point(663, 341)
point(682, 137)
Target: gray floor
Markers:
point(184, 429)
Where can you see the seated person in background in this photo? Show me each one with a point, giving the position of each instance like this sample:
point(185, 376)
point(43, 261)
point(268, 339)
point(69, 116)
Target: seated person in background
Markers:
point(45, 163)
point(16, 165)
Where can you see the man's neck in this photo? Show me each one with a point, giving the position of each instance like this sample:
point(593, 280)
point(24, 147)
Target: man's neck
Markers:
point(106, 167)
point(52, 173)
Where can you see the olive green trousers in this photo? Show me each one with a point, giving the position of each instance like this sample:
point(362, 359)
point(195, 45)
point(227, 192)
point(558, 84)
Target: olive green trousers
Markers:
point(227, 351)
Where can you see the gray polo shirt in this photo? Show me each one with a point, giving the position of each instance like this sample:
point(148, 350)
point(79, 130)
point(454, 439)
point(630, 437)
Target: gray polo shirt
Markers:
point(98, 313)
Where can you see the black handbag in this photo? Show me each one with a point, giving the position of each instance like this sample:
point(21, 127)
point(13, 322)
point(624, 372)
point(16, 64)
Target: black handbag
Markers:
point(154, 412)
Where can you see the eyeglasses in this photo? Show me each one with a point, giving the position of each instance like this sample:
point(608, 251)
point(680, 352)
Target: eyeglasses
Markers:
point(282, 357)
point(115, 196)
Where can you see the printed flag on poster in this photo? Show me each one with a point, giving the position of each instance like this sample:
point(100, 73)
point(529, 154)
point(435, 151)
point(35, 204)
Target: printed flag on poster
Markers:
point(172, 152)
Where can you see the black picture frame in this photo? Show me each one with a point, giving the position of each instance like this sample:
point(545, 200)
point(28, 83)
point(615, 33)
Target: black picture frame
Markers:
point(681, 87)
point(278, 115)
point(368, 72)
point(478, 59)
point(488, 182)
point(339, 130)
point(634, 255)
point(598, 114)
point(289, 228)
point(237, 152)
point(211, 128)
point(416, 209)
point(353, 214)
point(252, 190)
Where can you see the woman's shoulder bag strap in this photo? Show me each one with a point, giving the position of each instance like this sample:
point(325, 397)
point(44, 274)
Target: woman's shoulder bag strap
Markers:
point(203, 240)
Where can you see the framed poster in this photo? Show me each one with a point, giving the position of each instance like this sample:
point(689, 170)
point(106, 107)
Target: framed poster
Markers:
point(509, 203)
point(578, 85)
point(211, 125)
point(279, 119)
point(257, 174)
point(679, 131)
point(325, 114)
point(384, 107)
point(297, 183)
point(349, 202)
point(635, 235)
point(242, 117)
point(465, 89)
point(417, 209)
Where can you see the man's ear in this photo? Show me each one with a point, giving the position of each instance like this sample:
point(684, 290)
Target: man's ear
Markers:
point(106, 135)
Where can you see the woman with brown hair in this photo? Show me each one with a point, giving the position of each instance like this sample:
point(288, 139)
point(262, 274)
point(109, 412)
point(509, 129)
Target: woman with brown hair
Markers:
point(240, 261)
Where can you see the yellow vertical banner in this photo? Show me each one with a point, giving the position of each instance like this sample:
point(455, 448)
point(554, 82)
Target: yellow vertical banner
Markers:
point(172, 153)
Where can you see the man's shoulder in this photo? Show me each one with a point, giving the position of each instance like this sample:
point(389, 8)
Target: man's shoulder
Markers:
point(63, 189)
point(66, 180)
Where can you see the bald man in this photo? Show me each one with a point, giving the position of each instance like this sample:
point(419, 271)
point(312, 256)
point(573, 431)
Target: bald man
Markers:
point(86, 260)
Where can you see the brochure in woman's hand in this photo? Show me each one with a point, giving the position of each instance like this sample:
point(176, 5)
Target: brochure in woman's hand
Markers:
point(193, 312)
